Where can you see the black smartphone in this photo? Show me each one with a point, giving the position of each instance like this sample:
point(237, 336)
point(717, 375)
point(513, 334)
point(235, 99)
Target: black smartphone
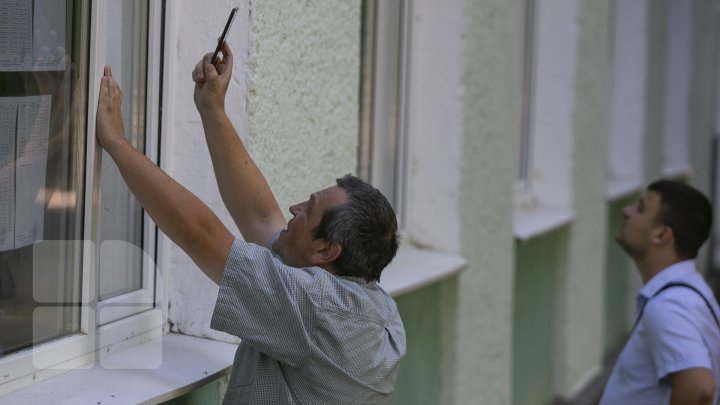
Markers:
point(224, 34)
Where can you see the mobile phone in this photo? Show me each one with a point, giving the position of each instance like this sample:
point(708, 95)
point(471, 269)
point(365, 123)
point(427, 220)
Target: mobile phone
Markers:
point(224, 34)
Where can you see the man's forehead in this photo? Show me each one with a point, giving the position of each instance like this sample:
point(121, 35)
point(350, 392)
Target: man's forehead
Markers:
point(651, 197)
point(334, 195)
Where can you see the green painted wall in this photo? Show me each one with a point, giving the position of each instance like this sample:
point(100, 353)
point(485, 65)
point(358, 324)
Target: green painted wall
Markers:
point(535, 319)
point(208, 394)
point(420, 377)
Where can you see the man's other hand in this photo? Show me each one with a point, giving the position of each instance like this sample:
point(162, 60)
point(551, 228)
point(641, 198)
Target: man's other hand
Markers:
point(211, 82)
point(109, 125)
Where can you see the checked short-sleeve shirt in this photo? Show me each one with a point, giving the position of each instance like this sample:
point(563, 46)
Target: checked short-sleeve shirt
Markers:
point(308, 337)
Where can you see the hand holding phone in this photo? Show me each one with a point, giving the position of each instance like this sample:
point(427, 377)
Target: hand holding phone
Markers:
point(230, 20)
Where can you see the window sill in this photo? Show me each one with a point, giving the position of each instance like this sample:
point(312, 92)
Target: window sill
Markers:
point(677, 172)
point(621, 188)
point(413, 269)
point(532, 222)
point(187, 363)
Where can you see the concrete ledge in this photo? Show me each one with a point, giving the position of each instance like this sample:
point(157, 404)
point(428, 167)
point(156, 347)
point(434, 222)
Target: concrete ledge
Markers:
point(164, 368)
point(413, 269)
point(167, 366)
point(621, 188)
point(539, 220)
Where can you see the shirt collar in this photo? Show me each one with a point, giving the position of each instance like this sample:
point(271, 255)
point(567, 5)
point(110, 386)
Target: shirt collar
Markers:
point(359, 280)
point(666, 275)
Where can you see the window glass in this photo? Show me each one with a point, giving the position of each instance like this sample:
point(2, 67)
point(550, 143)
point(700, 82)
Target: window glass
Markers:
point(525, 140)
point(385, 45)
point(627, 109)
point(43, 71)
point(678, 72)
point(121, 217)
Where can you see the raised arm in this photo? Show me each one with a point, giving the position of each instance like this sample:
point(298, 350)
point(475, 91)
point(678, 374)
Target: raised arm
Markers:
point(175, 210)
point(243, 188)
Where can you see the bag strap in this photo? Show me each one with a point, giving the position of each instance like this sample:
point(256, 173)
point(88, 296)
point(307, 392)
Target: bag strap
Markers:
point(678, 284)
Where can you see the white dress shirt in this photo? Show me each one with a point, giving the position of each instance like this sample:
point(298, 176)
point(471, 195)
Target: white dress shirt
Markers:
point(676, 331)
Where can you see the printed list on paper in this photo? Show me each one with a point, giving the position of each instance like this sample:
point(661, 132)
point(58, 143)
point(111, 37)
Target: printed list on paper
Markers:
point(32, 35)
point(23, 165)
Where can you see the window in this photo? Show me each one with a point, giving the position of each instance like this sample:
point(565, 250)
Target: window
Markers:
point(383, 139)
point(524, 147)
point(123, 285)
point(42, 62)
point(544, 149)
point(678, 60)
point(76, 250)
point(627, 129)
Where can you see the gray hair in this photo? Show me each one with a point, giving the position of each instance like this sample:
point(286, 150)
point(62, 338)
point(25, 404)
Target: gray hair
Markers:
point(365, 227)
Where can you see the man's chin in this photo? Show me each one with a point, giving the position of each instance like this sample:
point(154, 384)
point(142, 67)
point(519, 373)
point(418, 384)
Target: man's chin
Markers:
point(627, 248)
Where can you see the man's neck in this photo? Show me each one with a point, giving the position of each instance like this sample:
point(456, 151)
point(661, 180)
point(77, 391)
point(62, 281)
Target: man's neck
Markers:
point(652, 264)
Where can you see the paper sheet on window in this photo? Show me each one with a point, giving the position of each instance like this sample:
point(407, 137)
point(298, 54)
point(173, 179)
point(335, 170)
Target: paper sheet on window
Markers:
point(31, 153)
point(49, 35)
point(8, 117)
point(32, 35)
point(15, 35)
point(25, 128)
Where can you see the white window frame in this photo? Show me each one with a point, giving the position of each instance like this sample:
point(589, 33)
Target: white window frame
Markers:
point(543, 200)
point(81, 349)
point(428, 213)
point(626, 156)
point(143, 299)
point(377, 127)
point(523, 179)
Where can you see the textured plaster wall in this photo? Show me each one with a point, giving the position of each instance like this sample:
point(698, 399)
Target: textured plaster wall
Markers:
point(192, 30)
point(580, 311)
point(304, 75)
point(484, 291)
point(293, 99)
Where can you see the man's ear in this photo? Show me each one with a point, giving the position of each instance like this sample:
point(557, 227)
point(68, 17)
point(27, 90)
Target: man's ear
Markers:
point(664, 236)
point(327, 253)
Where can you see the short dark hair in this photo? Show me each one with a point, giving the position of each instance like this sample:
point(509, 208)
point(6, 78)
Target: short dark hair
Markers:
point(365, 227)
point(687, 212)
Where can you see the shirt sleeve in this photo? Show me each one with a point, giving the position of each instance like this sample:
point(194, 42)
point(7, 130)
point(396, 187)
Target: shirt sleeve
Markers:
point(266, 304)
point(673, 334)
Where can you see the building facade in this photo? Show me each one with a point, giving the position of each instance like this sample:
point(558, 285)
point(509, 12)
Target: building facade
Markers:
point(507, 134)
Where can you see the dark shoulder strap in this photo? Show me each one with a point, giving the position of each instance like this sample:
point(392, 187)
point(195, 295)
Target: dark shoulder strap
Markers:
point(678, 284)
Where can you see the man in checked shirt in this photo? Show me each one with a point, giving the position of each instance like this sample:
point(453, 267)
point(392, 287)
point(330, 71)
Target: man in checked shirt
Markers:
point(316, 328)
